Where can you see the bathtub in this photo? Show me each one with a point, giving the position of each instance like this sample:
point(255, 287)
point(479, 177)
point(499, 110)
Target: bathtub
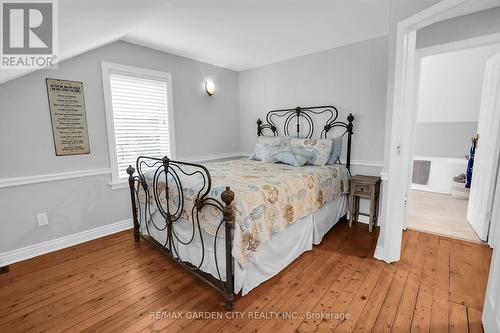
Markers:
point(442, 171)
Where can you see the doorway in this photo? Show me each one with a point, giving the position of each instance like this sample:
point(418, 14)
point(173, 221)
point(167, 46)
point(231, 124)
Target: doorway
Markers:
point(400, 148)
point(448, 104)
point(401, 114)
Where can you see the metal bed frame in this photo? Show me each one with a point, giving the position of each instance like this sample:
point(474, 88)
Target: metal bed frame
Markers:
point(166, 169)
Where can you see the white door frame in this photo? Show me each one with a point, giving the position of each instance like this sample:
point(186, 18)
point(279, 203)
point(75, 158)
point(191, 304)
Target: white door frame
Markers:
point(490, 319)
point(403, 120)
point(458, 45)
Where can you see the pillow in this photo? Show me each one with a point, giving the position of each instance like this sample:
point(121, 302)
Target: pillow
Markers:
point(268, 146)
point(291, 158)
point(320, 149)
point(336, 149)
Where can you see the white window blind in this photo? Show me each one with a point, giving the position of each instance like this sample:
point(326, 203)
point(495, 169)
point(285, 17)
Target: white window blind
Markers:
point(140, 117)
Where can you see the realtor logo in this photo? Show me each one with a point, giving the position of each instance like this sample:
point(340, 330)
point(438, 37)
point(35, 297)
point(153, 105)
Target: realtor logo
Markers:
point(29, 34)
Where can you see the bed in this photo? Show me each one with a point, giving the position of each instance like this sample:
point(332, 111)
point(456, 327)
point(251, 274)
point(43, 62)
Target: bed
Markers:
point(267, 216)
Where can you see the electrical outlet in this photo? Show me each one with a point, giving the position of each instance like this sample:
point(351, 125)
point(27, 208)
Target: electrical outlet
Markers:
point(42, 219)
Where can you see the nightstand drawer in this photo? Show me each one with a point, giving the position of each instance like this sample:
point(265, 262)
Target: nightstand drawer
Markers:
point(362, 189)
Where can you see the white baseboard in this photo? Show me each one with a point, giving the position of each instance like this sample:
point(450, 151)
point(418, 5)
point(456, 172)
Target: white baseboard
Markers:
point(31, 251)
point(363, 219)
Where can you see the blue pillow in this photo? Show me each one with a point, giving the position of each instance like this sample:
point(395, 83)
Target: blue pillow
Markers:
point(320, 149)
point(336, 150)
point(290, 158)
point(293, 158)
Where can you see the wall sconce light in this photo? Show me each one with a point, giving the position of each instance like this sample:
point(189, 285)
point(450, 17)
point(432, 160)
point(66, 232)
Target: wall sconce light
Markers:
point(210, 87)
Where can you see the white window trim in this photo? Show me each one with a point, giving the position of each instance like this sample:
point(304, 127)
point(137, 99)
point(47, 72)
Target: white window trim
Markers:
point(107, 69)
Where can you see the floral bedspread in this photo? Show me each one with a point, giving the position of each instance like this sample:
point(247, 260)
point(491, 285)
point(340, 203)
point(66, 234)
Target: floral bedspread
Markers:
point(268, 197)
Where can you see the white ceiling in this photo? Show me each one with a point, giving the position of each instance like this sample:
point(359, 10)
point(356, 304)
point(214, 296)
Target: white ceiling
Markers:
point(237, 34)
point(241, 34)
point(87, 24)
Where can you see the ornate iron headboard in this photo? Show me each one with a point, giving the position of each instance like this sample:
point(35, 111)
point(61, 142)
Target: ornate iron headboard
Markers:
point(307, 114)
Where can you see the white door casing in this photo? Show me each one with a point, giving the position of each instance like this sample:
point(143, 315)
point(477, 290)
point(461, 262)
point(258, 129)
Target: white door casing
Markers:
point(486, 158)
point(491, 309)
point(398, 167)
point(389, 242)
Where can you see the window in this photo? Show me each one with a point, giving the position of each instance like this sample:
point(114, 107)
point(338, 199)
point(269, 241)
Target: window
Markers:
point(138, 115)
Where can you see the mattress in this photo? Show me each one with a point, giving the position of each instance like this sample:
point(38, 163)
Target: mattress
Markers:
point(269, 197)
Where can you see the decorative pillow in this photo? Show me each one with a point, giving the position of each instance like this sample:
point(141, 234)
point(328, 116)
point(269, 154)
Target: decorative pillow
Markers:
point(291, 158)
point(336, 149)
point(320, 149)
point(268, 146)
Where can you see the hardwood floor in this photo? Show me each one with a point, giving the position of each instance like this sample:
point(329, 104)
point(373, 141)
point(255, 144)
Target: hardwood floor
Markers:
point(440, 214)
point(112, 285)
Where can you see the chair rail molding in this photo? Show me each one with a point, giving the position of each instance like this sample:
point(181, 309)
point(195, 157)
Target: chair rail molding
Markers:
point(365, 163)
point(374, 164)
point(51, 177)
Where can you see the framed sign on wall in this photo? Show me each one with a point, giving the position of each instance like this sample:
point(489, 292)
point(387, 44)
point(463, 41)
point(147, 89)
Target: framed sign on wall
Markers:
point(67, 114)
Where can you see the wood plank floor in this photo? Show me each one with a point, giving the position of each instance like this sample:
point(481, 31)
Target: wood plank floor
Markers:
point(113, 284)
point(440, 214)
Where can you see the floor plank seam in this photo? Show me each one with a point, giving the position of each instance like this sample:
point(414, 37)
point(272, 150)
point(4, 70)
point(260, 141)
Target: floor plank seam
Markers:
point(373, 290)
point(400, 299)
point(419, 275)
point(415, 305)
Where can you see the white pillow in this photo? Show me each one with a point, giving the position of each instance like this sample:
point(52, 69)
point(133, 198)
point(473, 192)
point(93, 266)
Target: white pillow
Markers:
point(267, 147)
point(320, 149)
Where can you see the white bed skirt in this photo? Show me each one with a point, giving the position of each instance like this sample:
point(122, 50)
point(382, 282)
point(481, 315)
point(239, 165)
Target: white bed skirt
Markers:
point(273, 256)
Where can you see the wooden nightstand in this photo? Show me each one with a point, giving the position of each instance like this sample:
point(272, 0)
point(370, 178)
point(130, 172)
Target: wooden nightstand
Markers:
point(364, 187)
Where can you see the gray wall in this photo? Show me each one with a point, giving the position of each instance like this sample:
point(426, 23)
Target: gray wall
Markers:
point(459, 28)
point(204, 126)
point(398, 11)
point(451, 85)
point(351, 77)
point(450, 139)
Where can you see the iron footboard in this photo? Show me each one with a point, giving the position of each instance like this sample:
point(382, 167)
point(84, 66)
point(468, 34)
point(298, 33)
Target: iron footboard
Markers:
point(157, 189)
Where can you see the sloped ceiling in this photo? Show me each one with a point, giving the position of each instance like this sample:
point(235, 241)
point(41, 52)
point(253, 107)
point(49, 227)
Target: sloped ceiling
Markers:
point(237, 34)
point(87, 24)
point(241, 34)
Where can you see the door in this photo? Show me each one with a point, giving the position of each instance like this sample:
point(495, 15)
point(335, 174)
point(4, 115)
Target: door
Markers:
point(491, 309)
point(486, 158)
